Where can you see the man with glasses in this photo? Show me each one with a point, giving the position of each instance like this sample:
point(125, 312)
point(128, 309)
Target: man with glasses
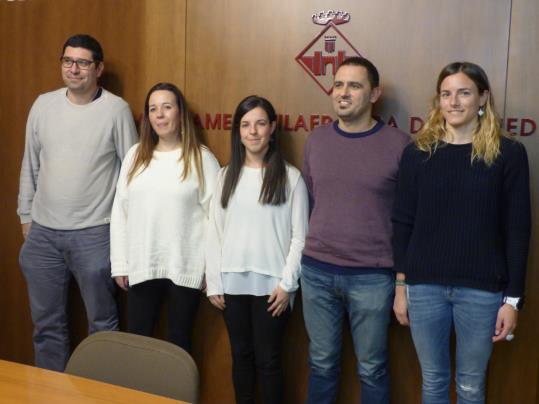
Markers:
point(76, 138)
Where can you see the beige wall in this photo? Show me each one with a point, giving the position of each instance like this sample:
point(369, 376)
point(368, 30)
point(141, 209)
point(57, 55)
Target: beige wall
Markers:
point(220, 51)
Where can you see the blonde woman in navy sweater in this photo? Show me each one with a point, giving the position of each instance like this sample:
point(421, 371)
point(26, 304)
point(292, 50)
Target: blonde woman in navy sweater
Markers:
point(461, 235)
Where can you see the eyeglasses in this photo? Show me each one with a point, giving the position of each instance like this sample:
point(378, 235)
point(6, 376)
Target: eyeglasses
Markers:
point(82, 64)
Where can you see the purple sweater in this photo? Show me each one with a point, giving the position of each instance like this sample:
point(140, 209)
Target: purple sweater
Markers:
point(351, 179)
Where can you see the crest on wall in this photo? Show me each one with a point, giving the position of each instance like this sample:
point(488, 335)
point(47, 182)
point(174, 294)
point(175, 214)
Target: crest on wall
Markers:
point(323, 55)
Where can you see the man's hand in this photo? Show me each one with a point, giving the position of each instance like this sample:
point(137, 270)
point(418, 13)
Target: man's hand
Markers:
point(26, 229)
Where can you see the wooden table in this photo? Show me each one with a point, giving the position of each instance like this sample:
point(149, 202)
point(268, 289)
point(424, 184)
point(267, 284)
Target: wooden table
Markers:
point(22, 384)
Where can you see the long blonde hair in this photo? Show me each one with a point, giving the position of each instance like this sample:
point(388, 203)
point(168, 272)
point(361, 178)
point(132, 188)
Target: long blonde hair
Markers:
point(191, 145)
point(487, 134)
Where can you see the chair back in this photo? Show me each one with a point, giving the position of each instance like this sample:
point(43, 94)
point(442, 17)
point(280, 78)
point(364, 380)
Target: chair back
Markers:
point(138, 362)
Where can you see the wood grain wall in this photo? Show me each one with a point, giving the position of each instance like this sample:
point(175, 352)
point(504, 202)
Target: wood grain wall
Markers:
point(143, 43)
point(517, 365)
point(218, 52)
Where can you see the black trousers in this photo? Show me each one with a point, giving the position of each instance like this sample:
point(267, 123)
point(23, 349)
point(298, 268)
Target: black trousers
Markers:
point(144, 301)
point(256, 340)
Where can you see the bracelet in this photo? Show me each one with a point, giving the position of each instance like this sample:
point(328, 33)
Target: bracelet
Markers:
point(400, 282)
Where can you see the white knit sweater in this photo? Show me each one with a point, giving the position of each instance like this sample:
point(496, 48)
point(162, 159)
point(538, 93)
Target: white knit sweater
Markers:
point(158, 223)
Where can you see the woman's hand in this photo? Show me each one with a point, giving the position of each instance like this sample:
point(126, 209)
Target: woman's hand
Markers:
point(505, 323)
point(122, 281)
point(218, 301)
point(400, 305)
point(278, 301)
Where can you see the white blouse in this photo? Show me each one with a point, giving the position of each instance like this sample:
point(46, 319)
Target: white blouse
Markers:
point(250, 247)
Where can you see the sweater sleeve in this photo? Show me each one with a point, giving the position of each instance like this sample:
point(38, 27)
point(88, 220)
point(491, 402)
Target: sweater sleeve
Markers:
point(404, 208)
point(29, 167)
point(118, 220)
point(214, 241)
point(125, 131)
point(306, 172)
point(299, 218)
point(516, 217)
point(210, 169)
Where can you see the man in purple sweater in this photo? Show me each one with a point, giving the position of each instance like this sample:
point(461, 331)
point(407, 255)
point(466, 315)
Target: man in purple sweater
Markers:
point(350, 167)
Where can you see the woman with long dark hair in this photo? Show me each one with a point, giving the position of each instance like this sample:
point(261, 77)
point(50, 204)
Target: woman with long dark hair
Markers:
point(461, 234)
point(258, 222)
point(159, 217)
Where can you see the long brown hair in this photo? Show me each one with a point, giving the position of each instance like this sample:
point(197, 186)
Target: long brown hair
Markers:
point(487, 134)
point(275, 182)
point(190, 150)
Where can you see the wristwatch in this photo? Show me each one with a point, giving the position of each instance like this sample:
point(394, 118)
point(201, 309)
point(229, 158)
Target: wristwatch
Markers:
point(515, 302)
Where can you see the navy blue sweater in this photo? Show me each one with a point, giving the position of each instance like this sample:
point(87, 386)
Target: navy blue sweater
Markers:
point(462, 224)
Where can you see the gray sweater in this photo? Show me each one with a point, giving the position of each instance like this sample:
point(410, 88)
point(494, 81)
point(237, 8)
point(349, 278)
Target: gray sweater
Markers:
point(72, 159)
point(351, 178)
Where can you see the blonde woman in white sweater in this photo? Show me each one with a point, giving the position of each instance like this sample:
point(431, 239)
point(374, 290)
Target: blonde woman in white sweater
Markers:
point(159, 217)
point(258, 222)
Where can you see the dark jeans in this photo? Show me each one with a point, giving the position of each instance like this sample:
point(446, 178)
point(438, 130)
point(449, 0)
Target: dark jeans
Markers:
point(256, 339)
point(48, 258)
point(144, 301)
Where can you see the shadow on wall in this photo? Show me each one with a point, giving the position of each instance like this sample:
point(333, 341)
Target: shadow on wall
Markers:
point(111, 81)
point(392, 111)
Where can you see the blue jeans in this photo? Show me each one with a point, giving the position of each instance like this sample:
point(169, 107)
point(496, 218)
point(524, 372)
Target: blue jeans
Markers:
point(48, 257)
point(367, 300)
point(433, 309)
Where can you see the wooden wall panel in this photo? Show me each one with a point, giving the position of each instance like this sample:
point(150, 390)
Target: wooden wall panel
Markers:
point(220, 51)
point(251, 48)
point(518, 362)
point(143, 43)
